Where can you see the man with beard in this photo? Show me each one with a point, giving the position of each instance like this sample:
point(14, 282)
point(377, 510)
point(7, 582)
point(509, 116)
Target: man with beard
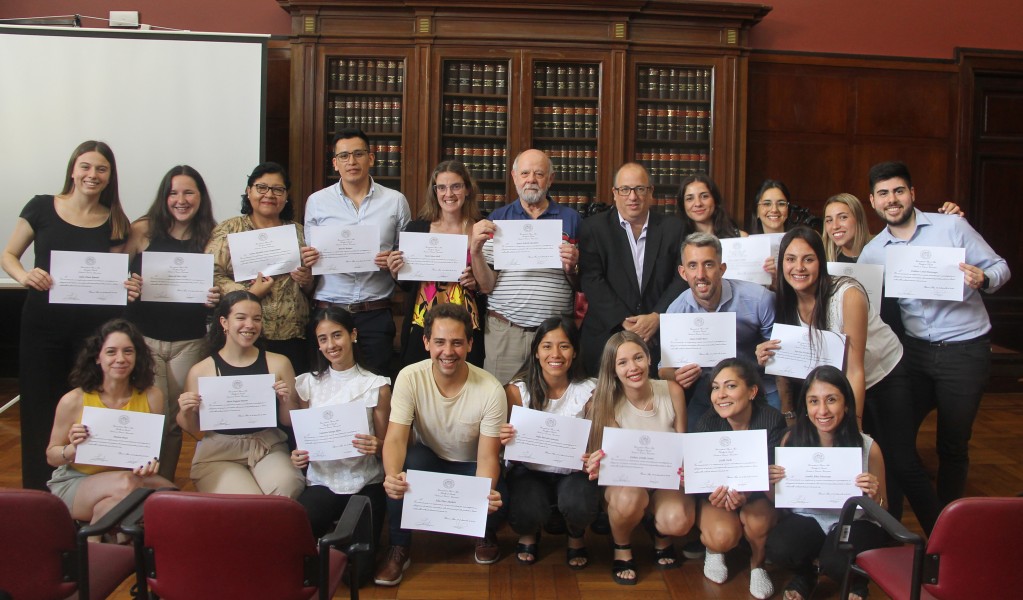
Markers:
point(628, 266)
point(519, 300)
point(710, 292)
point(947, 348)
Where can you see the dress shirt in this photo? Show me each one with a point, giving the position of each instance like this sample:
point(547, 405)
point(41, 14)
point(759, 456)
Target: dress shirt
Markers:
point(636, 244)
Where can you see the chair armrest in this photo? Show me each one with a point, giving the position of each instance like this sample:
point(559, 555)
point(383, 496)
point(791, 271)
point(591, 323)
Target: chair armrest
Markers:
point(107, 522)
point(354, 536)
point(891, 526)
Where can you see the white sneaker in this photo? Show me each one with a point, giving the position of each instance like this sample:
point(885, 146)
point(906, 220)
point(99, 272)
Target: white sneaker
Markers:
point(760, 585)
point(714, 567)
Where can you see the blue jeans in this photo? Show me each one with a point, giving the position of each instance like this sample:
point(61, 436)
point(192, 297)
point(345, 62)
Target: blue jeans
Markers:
point(421, 458)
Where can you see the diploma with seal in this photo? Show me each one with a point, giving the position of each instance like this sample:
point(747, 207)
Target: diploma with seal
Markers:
point(237, 402)
point(542, 438)
point(88, 278)
point(734, 459)
point(701, 338)
point(345, 249)
point(638, 458)
point(176, 277)
point(817, 477)
point(119, 438)
point(528, 244)
point(327, 432)
point(446, 503)
point(924, 272)
point(270, 251)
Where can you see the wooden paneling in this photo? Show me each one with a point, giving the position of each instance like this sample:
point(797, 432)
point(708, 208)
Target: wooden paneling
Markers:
point(917, 105)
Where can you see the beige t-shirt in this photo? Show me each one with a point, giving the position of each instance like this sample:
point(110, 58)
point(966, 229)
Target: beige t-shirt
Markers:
point(451, 427)
point(660, 417)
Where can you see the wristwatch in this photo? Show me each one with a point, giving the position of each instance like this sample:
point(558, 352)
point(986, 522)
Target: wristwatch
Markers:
point(789, 414)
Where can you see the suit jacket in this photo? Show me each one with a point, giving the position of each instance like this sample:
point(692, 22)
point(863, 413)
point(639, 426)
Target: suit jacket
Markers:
point(608, 277)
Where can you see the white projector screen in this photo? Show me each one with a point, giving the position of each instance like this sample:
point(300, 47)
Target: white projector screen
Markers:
point(158, 98)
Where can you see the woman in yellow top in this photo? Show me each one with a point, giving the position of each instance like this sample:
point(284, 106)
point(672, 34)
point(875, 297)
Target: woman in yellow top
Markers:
point(114, 370)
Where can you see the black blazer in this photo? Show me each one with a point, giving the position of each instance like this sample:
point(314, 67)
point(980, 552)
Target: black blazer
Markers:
point(608, 277)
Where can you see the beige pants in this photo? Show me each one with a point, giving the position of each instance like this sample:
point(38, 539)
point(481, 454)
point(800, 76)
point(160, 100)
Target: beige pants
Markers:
point(171, 362)
point(257, 463)
point(507, 348)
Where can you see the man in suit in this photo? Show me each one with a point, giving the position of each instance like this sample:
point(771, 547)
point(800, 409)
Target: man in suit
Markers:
point(628, 266)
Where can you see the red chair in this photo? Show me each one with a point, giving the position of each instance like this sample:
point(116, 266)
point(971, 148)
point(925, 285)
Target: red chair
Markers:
point(972, 551)
point(42, 557)
point(214, 546)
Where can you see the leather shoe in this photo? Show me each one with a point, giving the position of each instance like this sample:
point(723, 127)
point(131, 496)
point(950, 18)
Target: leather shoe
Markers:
point(392, 567)
point(487, 550)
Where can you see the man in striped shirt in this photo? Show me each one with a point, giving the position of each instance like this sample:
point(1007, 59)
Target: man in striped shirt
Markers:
point(519, 300)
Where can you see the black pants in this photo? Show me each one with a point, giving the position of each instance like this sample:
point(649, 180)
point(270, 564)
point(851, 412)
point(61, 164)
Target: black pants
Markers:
point(797, 540)
point(324, 507)
point(533, 496)
point(950, 379)
point(889, 415)
point(375, 345)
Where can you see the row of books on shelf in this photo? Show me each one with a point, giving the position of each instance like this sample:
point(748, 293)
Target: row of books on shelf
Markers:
point(560, 79)
point(571, 120)
point(574, 198)
point(475, 118)
point(387, 157)
point(468, 77)
point(669, 167)
point(484, 161)
point(367, 74)
point(671, 123)
point(488, 202)
point(666, 204)
point(378, 114)
point(573, 162)
point(674, 83)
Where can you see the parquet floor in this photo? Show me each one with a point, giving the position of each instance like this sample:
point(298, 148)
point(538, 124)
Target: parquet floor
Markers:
point(442, 566)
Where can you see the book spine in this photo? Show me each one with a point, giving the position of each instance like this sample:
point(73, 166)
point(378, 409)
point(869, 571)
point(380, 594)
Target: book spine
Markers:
point(501, 79)
point(489, 85)
point(476, 83)
point(464, 77)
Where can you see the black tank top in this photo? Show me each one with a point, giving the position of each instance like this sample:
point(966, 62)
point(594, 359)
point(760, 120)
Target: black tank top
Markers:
point(258, 367)
point(167, 321)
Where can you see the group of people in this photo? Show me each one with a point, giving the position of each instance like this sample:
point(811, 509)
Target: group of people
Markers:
point(471, 349)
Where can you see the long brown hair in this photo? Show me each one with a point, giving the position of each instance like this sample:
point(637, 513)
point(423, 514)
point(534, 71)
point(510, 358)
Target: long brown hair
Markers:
point(87, 373)
point(109, 197)
point(609, 392)
point(430, 211)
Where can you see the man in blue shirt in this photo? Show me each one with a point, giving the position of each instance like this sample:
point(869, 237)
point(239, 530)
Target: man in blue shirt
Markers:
point(709, 292)
point(947, 348)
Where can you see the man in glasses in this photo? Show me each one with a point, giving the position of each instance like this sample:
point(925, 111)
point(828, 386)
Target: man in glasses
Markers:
point(519, 300)
point(358, 200)
point(628, 266)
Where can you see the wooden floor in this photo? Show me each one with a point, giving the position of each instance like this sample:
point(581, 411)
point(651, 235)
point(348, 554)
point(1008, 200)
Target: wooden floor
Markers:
point(442, 566)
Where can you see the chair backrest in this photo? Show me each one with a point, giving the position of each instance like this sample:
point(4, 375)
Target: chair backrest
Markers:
point(977, 540)
point(36, 530)
point(215, 546)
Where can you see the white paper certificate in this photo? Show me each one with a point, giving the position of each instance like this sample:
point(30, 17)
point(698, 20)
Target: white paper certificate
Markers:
point(119, 438)
point(446, 503)
point(345, 249)
point(637, 458)
point(817, 477)
point(237, 402)
point(527, 244)
point(542, 438)
point(432, 256)
point(327, 432)
point(701, 338)
point(88, 278)
point(871, 277)
point(734, 459)
point(798, 356)
point(176, 277)
point(270, 251)
point(745, 258)
point(924, 273)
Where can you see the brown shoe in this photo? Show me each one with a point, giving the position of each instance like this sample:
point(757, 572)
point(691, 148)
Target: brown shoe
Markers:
point(487, 550)
point(392, 567)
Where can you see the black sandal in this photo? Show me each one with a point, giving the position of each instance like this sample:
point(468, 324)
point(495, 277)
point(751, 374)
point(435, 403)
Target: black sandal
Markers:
point(620, 566)
point(576, 553)
point(667, 553)
point(803, 584)
point(530, 550)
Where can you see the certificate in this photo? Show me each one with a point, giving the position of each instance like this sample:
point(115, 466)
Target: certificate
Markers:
point(446, 503)
point(745, 258)
point(542, 438)
point(432, 256)
point(88, 278)
point(527, 244)
point(734, 459)
point(817, 477)
point(270, 251)
point(871, 277)
point(345, 249)
point(327, 432)
point(637, 458)
point(176, 277)
point(802, 351)
point(924, 273)
point(237, 402)
point(119, 438)
point(702, 338)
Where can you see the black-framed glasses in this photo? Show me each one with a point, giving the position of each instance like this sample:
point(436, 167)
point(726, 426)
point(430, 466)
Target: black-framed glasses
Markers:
point(625, 190)
point(454, 187)
point(262, 188)
point(358, 154)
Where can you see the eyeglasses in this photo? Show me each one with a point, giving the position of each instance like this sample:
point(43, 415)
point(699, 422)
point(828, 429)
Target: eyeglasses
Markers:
point(769, 204)
point(625, 190)
point(358, 154)
point(454, 187)
point(262, 189)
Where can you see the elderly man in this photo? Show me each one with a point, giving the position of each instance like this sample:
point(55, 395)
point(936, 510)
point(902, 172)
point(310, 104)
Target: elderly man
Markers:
point(519, 300)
